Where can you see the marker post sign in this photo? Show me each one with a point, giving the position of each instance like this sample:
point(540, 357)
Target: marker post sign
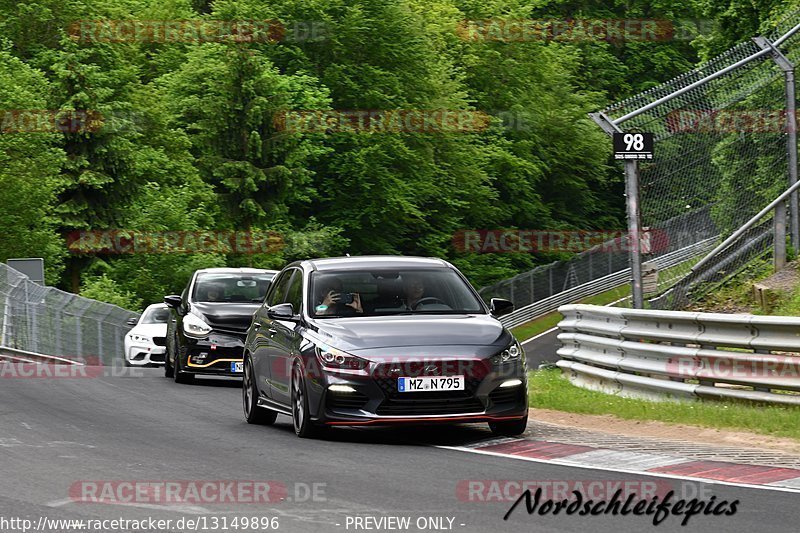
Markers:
point(633, 146)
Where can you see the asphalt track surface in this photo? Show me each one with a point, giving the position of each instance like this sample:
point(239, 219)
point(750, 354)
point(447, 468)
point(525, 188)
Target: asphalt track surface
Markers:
point(56, 433)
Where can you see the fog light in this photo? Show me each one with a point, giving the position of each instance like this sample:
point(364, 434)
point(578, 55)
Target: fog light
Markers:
point(511, 383)
point(341, 388)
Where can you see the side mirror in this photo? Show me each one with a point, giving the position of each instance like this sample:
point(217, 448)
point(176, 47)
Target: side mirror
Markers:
point(282, 312)
point(132, 321)
point(501, 306)
point(174, 301)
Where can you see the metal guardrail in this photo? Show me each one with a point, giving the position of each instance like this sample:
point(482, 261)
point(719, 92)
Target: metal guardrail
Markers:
point(13, 355)
point(681, 355)
point(600, 285)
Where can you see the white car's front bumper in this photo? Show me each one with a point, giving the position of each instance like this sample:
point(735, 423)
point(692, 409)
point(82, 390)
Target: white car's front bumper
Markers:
point(141, 354)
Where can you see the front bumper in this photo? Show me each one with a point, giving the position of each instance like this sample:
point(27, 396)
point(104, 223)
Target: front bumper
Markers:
point(376, 400)
point(215, 355)
point(141, 354)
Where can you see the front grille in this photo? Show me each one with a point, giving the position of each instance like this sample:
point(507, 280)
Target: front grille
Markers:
point(430, 403)
point(160, 341)
point(506, 395)
point(448, 405)
point(346, 400)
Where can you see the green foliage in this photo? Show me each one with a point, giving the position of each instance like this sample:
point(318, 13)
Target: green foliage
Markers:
point(191, 135)
point(29, 170)
point(105, 289)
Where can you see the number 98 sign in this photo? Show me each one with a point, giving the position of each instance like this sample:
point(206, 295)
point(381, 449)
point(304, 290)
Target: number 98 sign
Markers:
point(633, 146)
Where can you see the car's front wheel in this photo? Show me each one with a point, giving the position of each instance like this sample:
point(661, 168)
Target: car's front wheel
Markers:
point(509, 428)
point(301, 419)
point(252, 412)
point(179, 375)
point(168, 370)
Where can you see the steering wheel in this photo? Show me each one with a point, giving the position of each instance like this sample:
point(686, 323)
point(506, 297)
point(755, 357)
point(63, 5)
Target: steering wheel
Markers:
point(427, 300)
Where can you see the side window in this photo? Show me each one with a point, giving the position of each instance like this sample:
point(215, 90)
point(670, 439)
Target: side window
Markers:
point(278, 288)
point(295, 294)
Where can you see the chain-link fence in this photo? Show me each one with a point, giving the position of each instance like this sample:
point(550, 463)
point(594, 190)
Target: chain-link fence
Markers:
point(681, 232)
point(721, 147)
point(49, 321)
point(720, 156)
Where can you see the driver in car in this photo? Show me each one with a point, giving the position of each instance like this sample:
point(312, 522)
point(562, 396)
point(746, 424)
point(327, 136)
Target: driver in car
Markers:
point(414, 290)
point(214, 293)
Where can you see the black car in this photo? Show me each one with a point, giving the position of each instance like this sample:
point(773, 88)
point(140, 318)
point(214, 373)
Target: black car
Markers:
point(209, 320)
point(381, 340)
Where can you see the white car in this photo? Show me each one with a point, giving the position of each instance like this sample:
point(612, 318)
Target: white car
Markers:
point(146, 343)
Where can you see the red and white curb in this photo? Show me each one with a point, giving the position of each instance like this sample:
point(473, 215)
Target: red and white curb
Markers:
point(657, 465)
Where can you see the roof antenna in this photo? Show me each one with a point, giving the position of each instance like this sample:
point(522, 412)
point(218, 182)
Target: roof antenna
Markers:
point(346, 254)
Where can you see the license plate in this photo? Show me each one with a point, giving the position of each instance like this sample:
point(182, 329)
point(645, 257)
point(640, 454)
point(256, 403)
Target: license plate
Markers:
point(430, 384)
point(237, 367)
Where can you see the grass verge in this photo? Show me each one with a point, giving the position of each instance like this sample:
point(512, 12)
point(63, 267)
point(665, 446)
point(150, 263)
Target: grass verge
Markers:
point(549, 390)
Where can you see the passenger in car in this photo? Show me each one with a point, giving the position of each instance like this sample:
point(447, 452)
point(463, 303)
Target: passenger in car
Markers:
point(330, 299)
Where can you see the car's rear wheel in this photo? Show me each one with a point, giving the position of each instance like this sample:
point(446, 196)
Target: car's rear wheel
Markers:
point(509, 428)
point(252, 412)
point(303, 426)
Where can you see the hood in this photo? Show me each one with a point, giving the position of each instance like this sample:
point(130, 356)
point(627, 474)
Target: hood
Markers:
point(150, 330)
point(227, 315)
point(426, 332)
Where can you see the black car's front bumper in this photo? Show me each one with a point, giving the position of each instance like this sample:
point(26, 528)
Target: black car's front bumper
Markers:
point(217, 354)
point(377, 401)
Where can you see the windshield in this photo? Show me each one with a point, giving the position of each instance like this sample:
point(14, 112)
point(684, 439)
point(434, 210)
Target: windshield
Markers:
point(231, 287)
point(155, 315)
point(396, 292)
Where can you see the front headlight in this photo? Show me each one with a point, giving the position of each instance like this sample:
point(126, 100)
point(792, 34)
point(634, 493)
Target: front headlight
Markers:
point(141, 338)
point(511, 354)
point(193, 326)
point(330, 357)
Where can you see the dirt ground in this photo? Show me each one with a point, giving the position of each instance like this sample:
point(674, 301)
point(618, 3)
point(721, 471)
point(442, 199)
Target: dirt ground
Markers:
point(678, 432)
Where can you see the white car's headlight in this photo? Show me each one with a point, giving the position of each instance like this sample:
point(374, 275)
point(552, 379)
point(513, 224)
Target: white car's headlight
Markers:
point(141, 338)
point(193, 326)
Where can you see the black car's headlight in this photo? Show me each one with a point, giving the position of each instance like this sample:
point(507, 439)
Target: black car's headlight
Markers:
point(330, 357)
point(194, 326)
point(512, 354)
